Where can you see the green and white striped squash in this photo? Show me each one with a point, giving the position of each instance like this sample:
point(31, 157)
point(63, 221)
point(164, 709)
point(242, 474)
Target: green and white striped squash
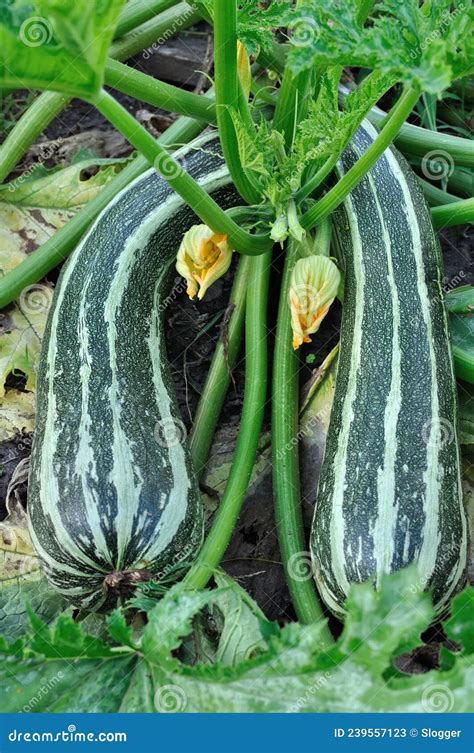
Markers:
point(390, 487)
point(111, 490)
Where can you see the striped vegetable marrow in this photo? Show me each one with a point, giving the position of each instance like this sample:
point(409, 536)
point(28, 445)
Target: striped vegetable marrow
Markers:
point(390, 488)
point(112, 494)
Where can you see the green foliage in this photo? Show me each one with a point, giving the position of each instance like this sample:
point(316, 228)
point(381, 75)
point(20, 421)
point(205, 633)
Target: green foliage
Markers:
point(256, 22)
point(255, 666)
point(425, 46)
point(321, 136)
point(460, 304)
point(56, 44)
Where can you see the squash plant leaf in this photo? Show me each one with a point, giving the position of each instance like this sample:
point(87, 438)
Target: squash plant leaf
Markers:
point(288, 671)
point(426, 46)
point(256, 21)
point(22, 581)
point(56, 44)
point(32, 208)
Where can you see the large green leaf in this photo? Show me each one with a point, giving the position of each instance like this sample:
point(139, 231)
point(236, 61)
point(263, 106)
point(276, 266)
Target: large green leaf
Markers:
point(63, 669)
point(56, 44)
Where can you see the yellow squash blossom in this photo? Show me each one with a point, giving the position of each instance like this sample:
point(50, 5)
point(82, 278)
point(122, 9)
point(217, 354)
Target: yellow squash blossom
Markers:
point(314, 285)
point(243, 67)
point(203, 257)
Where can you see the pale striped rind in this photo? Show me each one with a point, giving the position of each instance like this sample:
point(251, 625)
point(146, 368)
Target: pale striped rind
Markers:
point(111, 484)
point(390, 488)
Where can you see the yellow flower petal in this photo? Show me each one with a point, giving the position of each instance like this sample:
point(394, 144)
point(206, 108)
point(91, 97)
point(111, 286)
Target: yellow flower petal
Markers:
point(314, 285)
point(243, 67)
point(203, 257)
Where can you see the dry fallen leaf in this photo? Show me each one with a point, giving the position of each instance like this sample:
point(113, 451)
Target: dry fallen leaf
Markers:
point(31, 210)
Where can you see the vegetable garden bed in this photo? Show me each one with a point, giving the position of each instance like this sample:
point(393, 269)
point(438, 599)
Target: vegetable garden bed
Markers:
point(291, 210)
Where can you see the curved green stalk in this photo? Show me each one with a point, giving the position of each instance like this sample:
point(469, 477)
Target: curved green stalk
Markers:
point(457, 213)
point(256, 366)
point(218, 376)
point(49, 104)
point(436, 196)
point(156, 31)
point(56, 249)
point(418, 142)
point(228, 94)
point(286, 477)
point(292, 101)
point(196, 197)
point(33, 122)
point(137, 12)
point(325, 206)
point(157, 93)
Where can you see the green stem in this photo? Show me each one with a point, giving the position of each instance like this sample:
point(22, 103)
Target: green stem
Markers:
point(137, 12)
point(286, 480)
point(33, 122)
point(56, 249)
point(365, 7)
point(256, 366)
point(218, 376)
point(436, 196)
point(228, 93)
point(317, 179)
point(461, 182)
point(193, 194)
point(292, 101)
point(150, 35)
point(457, 213)
point(418, 142)
point(325, 206)
point(157, 93)
point(49, 104)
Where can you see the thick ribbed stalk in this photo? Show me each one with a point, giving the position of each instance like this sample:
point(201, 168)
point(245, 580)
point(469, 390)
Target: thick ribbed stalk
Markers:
point(286, 477)
point(291, 101)
point(418, 142)
point(157, 93)
point(325, 206)
point(218, 376)
point(33, 122)
point(256, 366)
point(192, 193)
point(436, 196)
point(155, 32)
point(457, 213)
point(228, 93)
point(55, 250)
point(49, 104)
point(137, 12)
